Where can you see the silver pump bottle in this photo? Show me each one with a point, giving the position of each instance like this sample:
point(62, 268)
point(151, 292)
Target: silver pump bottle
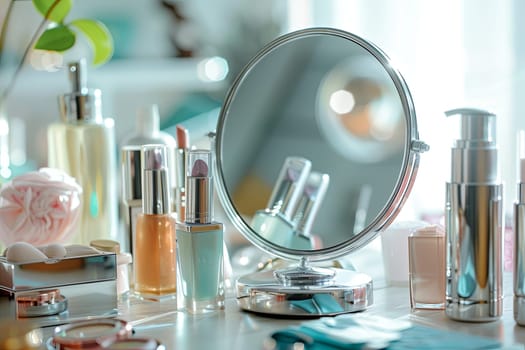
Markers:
point(473, 220)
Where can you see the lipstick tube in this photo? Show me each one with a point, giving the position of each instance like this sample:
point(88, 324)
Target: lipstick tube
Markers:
point(200, 282)
point(473, 220)
point(519, 237)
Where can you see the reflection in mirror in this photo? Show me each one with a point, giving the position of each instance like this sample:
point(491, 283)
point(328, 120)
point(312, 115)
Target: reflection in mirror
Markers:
point(358, 111)
point(328, 100)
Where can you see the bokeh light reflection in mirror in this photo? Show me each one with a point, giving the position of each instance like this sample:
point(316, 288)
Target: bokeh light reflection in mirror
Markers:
point(212, 69)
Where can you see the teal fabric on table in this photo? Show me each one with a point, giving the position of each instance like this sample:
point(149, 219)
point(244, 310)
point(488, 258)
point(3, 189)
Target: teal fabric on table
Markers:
point(419, 337)
point(415, 337)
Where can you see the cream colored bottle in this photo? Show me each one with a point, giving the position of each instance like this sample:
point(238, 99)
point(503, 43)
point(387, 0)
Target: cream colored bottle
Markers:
point(83, 145)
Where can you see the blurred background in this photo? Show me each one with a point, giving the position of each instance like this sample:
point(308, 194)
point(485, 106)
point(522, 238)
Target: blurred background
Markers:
point(183, 56)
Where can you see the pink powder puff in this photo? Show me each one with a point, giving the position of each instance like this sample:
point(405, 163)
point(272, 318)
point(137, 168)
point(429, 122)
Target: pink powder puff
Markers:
point(39, 207)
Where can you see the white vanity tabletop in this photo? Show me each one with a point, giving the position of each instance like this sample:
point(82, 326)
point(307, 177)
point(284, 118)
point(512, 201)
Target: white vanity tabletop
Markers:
point(236, 329)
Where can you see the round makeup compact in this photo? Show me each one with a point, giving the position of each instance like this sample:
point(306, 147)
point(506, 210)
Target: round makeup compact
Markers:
point(133, 344)
point(89, 334)
point(41, 303)
point(20, 335)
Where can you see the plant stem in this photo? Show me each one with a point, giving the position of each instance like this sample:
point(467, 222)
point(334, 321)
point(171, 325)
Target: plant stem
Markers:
point(3, 29)
point(35, 37)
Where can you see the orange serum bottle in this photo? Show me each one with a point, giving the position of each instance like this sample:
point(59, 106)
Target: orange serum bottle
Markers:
point(155, 258)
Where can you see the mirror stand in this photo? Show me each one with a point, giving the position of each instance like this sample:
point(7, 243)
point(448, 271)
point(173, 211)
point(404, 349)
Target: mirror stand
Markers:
point(304, 275)
point(305, 291)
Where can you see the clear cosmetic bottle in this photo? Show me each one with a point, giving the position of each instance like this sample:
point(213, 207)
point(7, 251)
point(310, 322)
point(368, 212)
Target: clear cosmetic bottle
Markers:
point(155, 259)
point(200, 242)
point(83, 145)
point(275, 222)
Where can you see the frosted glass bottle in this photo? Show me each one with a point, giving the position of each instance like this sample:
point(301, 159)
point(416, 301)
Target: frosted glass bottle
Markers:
point(83, 145)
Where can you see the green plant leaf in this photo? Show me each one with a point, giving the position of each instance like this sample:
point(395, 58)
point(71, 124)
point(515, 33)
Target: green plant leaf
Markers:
point(99, 37)
point(59, 9)
point(59, 38)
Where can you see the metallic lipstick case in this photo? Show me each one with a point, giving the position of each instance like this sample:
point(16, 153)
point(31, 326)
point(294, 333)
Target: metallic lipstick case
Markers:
point(473, 219)
point(57, 291)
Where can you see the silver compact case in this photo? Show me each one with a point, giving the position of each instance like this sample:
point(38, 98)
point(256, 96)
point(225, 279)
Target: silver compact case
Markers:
point(56, 291)
point(334, 101)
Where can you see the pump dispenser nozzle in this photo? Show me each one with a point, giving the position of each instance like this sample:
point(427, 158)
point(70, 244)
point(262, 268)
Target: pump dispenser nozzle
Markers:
point(474, 154)
point(82, 104)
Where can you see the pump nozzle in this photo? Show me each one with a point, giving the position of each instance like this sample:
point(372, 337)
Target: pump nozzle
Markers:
point(474, 155)
point(476, 124)
point(81, 104)
point(78, 76)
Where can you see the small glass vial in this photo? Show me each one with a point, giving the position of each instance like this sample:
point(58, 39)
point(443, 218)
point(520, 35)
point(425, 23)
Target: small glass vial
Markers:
point(123, 262)
point(426, 255)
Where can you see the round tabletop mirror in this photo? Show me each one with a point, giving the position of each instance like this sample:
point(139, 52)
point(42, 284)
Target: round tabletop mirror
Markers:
point(317, 148)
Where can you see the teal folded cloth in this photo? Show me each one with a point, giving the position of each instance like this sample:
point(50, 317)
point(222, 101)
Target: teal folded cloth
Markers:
point(419, 337)
point(415, 337)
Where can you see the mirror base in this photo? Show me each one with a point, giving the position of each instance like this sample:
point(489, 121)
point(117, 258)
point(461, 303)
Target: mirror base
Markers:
point(262, 293)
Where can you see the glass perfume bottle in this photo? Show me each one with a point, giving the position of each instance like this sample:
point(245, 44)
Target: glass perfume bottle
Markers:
point(275, 222)
point(307, 208)
point(155, 259)
point(147, 132)
point(83, 145)
point(200, 242)
point(426, 255)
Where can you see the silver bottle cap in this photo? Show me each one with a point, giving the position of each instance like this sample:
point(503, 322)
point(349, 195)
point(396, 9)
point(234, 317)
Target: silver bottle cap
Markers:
point(155, 180)
point(199, 187)
point(82, 104)
point(310, 201)
point(289, 186)
point(475, 153)
point(131, 173)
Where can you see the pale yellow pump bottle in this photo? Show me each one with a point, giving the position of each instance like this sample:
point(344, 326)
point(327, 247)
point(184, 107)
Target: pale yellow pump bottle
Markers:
point(83, 145)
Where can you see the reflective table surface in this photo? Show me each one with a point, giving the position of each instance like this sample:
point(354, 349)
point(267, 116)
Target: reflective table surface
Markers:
point(236, 329)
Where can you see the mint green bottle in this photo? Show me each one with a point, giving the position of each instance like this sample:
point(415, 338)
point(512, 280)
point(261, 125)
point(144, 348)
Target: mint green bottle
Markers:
point(200, 275)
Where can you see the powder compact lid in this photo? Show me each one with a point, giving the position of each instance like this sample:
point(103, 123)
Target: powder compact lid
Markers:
point(90, 334)
point(336, 100)
point(133, 344)
point(41, 303)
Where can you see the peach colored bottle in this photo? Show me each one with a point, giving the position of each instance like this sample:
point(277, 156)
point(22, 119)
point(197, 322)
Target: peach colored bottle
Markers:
point(426, 255)
point(155, 259)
